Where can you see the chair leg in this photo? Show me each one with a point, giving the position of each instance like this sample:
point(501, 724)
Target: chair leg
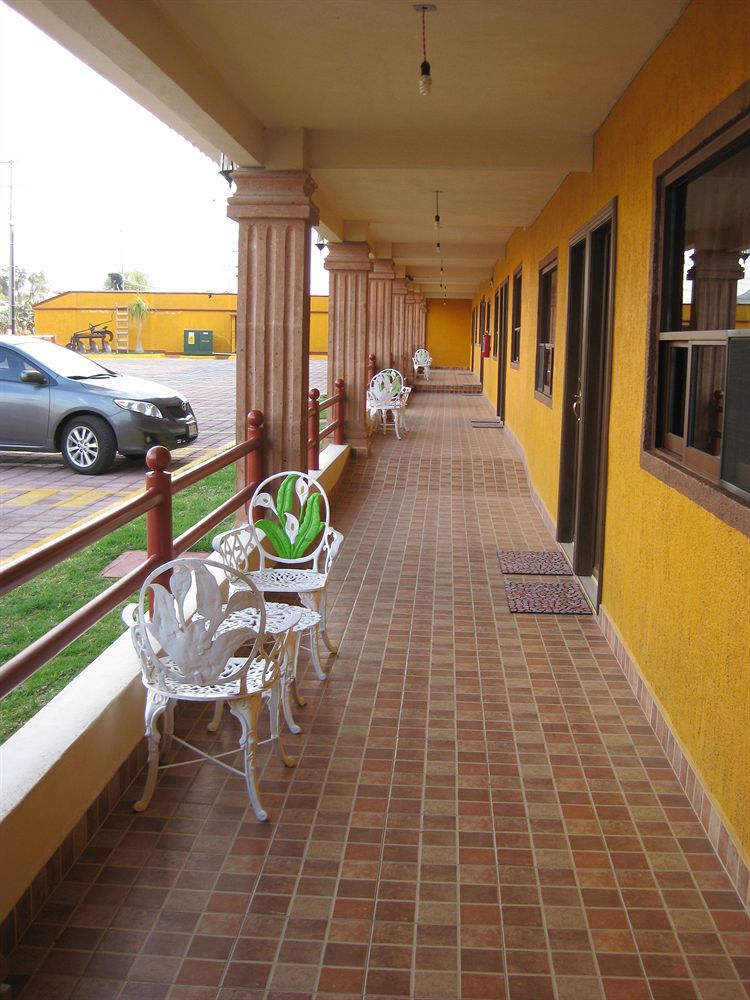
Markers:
point(315, 656)
point(245, 710)
point(216, 719)
point(166, 740)
point(318, 601)
point(156, 705)
point(396, 424)
point(289, 684)
point(274, 708)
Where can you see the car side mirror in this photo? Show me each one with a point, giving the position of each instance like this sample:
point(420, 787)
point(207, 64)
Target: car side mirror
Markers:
point(34, 377)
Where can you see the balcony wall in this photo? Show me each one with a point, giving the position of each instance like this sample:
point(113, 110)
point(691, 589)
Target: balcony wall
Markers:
point(675, 579)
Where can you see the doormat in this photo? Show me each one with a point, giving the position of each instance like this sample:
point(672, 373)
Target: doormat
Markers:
point(547, 563)
point(546, 598)
point(489, 422)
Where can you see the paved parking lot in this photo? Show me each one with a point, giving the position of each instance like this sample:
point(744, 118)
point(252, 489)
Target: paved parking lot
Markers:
point(40, 496)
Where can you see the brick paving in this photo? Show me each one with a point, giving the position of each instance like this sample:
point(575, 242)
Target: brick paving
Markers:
point(40, 495)
point(480, 809)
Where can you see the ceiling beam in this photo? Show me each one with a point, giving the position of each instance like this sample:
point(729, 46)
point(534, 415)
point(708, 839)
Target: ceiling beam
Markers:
point(482, 149)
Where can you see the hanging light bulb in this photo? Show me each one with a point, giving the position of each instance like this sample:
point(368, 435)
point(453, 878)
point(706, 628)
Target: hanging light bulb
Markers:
point(437, 248)
point(437, 210)
point(425, 78)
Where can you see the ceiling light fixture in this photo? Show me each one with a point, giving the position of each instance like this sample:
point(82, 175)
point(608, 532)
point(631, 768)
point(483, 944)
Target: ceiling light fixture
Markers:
point(425, 79)
point(437, 247)
point(437, 209)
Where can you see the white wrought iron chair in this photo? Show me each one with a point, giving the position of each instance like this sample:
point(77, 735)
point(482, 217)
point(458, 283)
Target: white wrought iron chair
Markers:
point(294, 547)
point(197, 645)
point(422, 360)
point(387, 396)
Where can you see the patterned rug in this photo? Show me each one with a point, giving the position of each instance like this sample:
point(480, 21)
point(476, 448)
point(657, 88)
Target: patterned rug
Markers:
point(546, 598)
point(548, 563)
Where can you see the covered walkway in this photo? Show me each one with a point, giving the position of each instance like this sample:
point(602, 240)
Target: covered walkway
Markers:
point(480, 807)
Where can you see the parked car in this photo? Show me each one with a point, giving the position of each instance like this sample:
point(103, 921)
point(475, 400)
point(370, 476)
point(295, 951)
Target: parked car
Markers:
point(53, 399)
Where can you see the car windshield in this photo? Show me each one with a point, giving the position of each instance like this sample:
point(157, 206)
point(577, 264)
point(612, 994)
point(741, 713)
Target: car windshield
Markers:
point(63, 362)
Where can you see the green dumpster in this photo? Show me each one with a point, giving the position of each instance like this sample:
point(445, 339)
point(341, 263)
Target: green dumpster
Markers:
point(199, 342)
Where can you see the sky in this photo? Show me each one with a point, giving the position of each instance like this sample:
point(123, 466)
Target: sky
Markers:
point(100, 184)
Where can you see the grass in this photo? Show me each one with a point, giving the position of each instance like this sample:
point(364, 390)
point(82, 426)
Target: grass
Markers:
point(32, 609)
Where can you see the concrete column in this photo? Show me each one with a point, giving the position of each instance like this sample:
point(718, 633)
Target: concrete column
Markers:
point(380, 312)
point(349, 266)
point(421, 321)
point(714, 274)
point(275, 214)
point(400, 289)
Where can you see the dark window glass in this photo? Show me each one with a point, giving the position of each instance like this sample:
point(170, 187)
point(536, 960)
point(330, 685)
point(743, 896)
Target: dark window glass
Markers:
point(546, 329)
point(515, 340)
point(704, 306)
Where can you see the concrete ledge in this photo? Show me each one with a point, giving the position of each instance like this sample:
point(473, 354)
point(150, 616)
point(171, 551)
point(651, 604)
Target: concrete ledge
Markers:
point(333, 459)
point(55, 766)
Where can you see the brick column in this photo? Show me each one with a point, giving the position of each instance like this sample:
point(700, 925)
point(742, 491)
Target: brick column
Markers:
point(275, 214)
point(349, 266)
point(380, 312)
point(400, 289)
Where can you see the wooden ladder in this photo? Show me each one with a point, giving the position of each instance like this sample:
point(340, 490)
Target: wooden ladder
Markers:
point(122, 338)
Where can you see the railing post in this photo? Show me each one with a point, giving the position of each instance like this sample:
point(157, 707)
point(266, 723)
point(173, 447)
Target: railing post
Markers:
point(159, 518)
point(371, 368)
point(254, 460)
point(338, 410)
point(313, 431)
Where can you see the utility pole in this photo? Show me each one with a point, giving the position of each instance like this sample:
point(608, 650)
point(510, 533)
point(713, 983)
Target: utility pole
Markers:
point(12, 268)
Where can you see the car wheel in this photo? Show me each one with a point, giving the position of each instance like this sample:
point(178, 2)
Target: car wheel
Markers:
point(88, 445)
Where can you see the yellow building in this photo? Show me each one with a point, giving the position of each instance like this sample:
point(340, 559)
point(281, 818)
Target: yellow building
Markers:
point(176, 322)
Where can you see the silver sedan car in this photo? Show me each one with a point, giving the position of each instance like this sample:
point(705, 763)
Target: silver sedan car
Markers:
point(55, 400)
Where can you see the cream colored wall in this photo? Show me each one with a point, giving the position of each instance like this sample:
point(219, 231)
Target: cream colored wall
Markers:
point(448, 332)
point(676, 580)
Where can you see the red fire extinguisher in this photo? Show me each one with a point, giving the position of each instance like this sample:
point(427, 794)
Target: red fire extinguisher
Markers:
point(485, 345)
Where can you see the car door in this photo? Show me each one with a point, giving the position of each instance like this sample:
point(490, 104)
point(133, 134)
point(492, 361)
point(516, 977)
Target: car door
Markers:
point(24, 406)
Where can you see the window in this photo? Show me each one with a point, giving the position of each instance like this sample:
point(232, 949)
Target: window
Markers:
point(545, 340)
point(703, 335)
point(496, 326)
point(515, 340)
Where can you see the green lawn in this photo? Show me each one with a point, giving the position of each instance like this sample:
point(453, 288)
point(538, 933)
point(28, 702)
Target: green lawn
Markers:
point(29, 611)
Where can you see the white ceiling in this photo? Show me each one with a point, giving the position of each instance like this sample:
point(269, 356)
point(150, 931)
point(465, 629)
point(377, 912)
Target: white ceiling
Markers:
point(519, 89)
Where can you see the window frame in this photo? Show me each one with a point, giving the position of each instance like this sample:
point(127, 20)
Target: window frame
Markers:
point(515, 321)
point(544, 371)
point(710, 140)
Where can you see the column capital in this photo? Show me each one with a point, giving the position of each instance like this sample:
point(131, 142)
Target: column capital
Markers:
point(348, 257)
point(400, 286)
point(383, 270)
point(272, 194)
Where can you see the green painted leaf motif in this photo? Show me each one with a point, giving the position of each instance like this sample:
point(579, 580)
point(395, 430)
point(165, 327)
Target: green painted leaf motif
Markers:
point(276, 536)
point(285, 496)
point(309, 528)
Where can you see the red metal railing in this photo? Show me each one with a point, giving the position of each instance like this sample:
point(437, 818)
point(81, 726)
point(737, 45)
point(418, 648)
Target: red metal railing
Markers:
point(314, 434)
point(156, 503)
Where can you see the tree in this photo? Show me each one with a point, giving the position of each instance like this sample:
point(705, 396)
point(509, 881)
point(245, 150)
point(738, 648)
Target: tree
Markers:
point(134, 281)
point(30, 288)
point(138, 312)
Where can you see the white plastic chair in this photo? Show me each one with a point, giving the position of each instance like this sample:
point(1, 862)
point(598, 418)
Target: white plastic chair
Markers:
point(387, 396)
point(422, 360)
point(294, 546)
point(195, 647)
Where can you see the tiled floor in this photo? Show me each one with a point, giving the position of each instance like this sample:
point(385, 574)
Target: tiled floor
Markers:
point(480, 809)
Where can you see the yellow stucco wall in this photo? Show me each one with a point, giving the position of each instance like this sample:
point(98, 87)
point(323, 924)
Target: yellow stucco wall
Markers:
point(169, 315)
point(448, 332)
point(319, 324)
point(676, 580)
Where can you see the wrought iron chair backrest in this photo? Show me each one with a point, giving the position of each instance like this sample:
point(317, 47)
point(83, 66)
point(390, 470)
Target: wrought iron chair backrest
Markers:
point(422, 357)
point(185, 641)
point(296, 529)
point(386, 387)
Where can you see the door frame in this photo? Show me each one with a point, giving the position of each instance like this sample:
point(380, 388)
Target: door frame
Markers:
point(502, 345)
point(576, 353)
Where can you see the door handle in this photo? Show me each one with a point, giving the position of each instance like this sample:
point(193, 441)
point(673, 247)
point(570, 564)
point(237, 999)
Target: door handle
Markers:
point(577, 406)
